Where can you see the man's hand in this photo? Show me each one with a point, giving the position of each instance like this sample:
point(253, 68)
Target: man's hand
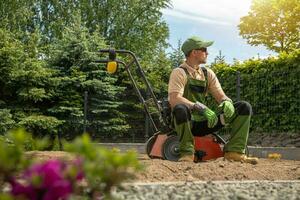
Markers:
point(210, 115)
point(227, 107)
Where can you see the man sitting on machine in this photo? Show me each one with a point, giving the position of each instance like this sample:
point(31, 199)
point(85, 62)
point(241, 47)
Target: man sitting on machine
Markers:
point(188, 86)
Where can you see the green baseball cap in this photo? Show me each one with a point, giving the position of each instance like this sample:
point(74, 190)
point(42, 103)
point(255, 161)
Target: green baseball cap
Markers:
point(194, 42)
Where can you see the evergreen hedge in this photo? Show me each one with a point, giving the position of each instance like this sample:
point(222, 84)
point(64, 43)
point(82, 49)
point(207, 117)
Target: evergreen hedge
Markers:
point(271, 85)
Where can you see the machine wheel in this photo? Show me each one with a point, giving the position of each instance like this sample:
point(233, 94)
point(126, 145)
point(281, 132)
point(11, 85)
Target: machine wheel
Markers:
point(171, 148)
point(149, 145)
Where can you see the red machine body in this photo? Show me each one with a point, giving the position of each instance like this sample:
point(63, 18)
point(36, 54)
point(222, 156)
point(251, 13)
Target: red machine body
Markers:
point(208, 147)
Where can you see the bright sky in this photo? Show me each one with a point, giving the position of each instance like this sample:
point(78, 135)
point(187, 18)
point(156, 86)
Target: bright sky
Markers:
point(215, 20)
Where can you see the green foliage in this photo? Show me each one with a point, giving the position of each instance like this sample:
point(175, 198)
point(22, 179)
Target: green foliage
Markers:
point(271, 86)
point(176, 56)
point(103, 168)
point(6, 197)
point(30, 142)
point(73, 59)
point(6, 121)
point(130, 24)
point(16, 15)
point(147, 40)
point(158, 69)
point(26, 85)
point(219, 59)
point(272, 23)
point(46, 54)
point(40, 125)
point(11, 154)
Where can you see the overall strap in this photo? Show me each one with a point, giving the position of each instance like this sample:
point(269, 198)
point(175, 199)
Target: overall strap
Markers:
point(186, 71)
point(205, 72)
point(206, 79)
point(205, 75)
point(203, 69)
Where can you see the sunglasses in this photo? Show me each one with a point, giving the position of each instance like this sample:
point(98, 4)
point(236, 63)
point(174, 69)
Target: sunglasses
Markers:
point(202, 49)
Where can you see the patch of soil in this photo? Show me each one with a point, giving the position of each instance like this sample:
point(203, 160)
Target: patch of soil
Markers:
point(156, 170)
point(42, 156)
point(267, 169)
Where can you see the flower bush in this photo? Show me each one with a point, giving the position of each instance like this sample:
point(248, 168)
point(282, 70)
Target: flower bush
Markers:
point(92, 175)
point(103, 168)
point(51, 180)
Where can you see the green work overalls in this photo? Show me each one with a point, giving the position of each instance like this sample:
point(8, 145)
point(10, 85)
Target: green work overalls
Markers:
point(195, 90)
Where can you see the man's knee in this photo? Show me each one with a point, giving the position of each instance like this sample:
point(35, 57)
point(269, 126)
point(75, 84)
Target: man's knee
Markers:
point(243, 108)
point(181, 113)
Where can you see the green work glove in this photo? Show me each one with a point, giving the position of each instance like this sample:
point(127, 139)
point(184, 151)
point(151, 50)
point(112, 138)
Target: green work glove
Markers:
point(227, 107)
point(210, 115)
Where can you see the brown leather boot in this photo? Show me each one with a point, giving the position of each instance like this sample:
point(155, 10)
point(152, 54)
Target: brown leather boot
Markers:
point(234, 156)
point(186, 158)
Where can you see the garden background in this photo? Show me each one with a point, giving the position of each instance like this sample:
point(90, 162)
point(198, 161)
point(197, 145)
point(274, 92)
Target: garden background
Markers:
point(48, 49)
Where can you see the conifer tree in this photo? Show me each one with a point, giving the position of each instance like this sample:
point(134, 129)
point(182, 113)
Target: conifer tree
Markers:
point(26, 86)
point(73, 57)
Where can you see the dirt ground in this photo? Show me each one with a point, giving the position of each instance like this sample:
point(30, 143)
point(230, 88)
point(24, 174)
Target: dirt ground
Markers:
point(267, 169)
point(156, 170)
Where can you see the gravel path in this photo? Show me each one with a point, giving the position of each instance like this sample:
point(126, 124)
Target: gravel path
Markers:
point(230, 190)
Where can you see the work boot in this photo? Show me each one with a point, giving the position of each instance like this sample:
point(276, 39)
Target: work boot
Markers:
point(186, 158)
point(235, 156)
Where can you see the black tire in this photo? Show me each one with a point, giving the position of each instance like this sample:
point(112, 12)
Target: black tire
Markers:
point(149, 145)
point(171, 148)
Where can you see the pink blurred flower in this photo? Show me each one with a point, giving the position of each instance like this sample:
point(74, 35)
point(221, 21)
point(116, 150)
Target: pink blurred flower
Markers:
point(78, 164)
point(59, 190)
point(20, 190)
point(47, 181)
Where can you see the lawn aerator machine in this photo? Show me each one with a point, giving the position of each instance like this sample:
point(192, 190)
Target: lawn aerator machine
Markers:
point(164, 143)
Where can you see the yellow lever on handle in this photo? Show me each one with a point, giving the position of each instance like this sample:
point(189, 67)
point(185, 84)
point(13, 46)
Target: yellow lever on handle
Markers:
point(112, 67)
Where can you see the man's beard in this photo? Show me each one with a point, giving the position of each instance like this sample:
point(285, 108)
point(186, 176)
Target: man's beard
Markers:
point(203, 61)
